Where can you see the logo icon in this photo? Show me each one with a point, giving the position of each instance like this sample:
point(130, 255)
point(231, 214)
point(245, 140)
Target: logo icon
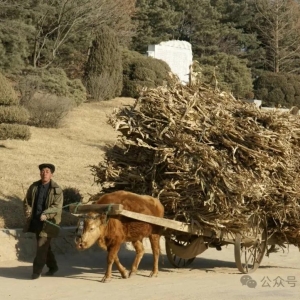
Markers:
point(247, 280)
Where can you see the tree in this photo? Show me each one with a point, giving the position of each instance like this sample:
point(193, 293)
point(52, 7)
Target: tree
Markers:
point(278, 25)
point(210, 26)
point(104, 70)
point(156, 21)
point(227, 72)
point(60, 24)
point(13, 118)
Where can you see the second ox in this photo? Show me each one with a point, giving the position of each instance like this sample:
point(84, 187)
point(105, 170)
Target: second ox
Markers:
point(110, 231)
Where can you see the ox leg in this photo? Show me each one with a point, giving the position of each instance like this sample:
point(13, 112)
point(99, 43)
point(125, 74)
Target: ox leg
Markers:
point(139, 250)
point(112, 257)
point(154, 240)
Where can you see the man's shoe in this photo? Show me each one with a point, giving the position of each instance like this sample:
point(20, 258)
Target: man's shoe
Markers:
point(35, 276)
point(51, 271)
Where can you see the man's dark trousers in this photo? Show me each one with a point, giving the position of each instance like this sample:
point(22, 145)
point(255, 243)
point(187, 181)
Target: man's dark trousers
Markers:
point(44, 255)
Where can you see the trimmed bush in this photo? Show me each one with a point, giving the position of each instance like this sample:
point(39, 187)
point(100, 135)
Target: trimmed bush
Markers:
point(100, 87)
point(71, 196)
point(261, 93)
point(278, 89)
point(53, 81)
point(8, 95)
point(276, 96)
point(141, 71)
point(14, 114)
point(14, 131)
point(47, 110)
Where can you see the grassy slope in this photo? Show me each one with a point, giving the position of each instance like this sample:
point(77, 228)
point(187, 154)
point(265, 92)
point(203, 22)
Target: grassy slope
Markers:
point(72, 148)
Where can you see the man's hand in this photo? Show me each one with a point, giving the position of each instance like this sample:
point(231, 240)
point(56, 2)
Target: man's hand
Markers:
point(27, 214)
point(43, 217)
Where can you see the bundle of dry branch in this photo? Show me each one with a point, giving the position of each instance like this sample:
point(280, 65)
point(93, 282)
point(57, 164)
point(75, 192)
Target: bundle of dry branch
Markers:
point(208, 157)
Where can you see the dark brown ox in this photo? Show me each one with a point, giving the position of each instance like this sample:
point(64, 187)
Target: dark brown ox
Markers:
point(111, 231)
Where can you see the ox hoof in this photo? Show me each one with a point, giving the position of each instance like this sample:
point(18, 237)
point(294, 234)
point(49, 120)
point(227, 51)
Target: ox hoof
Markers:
point(105, 279)
point(152, 274)
point(132, 273)
point(125, 275)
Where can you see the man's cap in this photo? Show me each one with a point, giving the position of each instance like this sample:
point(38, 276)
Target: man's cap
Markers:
point(50, 166)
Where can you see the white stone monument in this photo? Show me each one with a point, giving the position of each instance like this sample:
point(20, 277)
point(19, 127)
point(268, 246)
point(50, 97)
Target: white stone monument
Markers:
point(177, 54)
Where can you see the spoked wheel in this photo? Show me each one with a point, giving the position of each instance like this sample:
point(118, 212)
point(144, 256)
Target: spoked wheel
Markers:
point(250, 246)
point(175, 260)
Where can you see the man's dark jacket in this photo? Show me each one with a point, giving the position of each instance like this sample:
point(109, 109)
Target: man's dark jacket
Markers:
point(53, 208)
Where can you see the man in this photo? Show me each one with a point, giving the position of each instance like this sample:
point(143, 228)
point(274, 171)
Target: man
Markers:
point(43, 208)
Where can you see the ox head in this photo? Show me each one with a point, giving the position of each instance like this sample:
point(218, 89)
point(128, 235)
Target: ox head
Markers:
point(89, 230)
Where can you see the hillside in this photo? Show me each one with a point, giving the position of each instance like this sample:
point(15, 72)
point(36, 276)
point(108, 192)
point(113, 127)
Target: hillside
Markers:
point(79, 143)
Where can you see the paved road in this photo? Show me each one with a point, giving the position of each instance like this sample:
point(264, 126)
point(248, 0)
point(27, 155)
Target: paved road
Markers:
point(213, 275)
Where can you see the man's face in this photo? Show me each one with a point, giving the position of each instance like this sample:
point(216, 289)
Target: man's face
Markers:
point(46, 175)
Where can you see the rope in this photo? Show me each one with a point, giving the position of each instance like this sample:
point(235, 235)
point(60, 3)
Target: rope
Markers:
point(52, 223)
point(79, 203)
point(75, 211)
point(56, 210)
point(106, 213)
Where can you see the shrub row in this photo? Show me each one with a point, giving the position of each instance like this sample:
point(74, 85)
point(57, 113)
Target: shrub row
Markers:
point(278, 89)
point(14, 131)
point(13, 114)
point(8, 95)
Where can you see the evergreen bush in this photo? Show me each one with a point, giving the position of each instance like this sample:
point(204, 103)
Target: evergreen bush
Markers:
point(103, 73)
point(276, 97)
point(141, 71)
point(8, 95)
point(71, 196)
point(228, 73)
point(14, 131)
point(278, 89)
point(14, 114)
point(52, 81)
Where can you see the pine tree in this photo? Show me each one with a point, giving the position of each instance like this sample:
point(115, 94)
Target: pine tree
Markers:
point(156, 21)
point(103, 76)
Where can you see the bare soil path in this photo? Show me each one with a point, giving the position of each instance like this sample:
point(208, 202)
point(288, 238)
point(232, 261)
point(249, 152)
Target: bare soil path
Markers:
point(213, 275)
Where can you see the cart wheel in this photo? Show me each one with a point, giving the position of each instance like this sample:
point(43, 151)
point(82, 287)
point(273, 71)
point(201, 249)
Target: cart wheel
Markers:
point(250, 246)
point(175, 260)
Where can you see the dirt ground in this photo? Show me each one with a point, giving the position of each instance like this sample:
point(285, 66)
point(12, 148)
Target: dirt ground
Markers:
point(213, 275)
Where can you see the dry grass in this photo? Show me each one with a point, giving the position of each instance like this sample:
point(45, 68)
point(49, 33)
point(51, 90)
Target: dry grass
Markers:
point(73, 148)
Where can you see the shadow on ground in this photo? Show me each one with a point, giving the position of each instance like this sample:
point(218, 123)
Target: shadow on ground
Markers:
point(91, 266)
point(11, 212)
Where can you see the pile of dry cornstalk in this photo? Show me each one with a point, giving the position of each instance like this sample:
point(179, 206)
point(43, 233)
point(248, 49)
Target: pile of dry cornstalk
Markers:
point(208, 157)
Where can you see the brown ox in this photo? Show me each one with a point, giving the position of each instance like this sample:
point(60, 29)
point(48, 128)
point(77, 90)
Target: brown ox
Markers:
point(111, 231)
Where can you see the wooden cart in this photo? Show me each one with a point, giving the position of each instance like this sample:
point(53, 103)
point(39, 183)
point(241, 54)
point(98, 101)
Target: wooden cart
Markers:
point(184, 241)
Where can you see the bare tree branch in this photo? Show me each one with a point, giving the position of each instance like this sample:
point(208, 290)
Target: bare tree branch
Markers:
point(73, 16)
point(279, 26)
